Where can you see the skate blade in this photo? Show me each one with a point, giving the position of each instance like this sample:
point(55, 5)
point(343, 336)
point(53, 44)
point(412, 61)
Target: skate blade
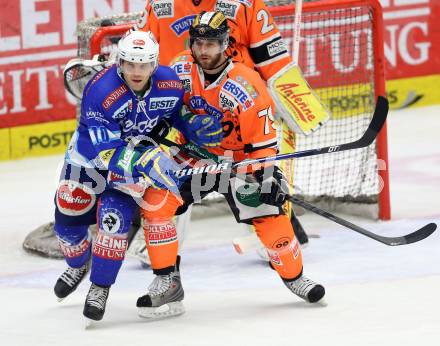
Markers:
point(88, 323)
point(163, 311)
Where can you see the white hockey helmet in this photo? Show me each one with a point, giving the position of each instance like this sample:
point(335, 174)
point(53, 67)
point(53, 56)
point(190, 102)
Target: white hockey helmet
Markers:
point(139, 47)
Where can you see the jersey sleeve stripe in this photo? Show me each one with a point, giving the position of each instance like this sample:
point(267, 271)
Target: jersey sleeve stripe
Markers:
point(270, 61)
point(268, 51)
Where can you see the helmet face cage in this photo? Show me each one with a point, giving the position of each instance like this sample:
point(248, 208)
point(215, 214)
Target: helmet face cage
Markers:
point(139, 47)
point(210, 26)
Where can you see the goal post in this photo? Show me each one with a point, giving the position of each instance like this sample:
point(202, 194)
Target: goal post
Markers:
point(342, 58)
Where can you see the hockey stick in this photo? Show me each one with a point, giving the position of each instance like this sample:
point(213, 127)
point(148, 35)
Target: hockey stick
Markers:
point(410, 238)
point(365, 140)
point(297, 31)
point(379, 117)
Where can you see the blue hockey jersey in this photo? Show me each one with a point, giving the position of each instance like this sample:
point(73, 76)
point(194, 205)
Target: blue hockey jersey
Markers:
point(112, 114)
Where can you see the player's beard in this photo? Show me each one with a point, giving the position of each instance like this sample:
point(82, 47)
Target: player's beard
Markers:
point(212, 63)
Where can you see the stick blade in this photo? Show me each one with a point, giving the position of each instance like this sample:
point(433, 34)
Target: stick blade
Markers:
point(413, 237)
point(377, 122)
point(421, 233)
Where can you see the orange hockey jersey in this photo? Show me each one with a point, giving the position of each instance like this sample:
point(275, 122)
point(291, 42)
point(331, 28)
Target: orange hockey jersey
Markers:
point(240, 99)
point(256, 40)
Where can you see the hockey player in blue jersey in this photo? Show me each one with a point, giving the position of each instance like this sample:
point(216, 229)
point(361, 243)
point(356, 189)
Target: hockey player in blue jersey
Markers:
point(121, 105)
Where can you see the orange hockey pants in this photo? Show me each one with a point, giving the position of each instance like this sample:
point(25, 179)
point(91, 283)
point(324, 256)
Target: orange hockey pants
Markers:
point(275, 232)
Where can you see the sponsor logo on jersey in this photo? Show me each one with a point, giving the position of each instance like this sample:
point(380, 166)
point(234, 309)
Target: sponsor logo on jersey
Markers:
point(169, 84)
point(114, 96)
point(277, 47)
point(74, 198)
point(111, 220)
point(198, 102)
point(227, 102)
point(187, 84)
point(163, 103)
point(239, 93)
point(163, 8)
point(229, 8)
point(125, 159)
point(161, 234)
point(97, 116)
point(109, 246)
point(123, 111)
point(183, 24)
point(182, 67)
point(105, 157)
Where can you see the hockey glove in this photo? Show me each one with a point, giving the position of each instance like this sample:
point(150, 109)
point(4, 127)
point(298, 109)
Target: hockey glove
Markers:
point(203, 129)
point(157, 168)
point(274, 188)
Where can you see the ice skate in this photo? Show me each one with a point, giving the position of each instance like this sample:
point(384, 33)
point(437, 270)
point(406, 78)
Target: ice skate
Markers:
point(306, 289)
point(94, 307)
point(164, 297)
point(70, 280)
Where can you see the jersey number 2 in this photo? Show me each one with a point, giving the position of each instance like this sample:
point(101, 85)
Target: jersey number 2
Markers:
point(262, 15)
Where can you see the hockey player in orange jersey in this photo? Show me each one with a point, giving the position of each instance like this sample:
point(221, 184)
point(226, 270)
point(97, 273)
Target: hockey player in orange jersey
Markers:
point(235, 94)
point(254, 40)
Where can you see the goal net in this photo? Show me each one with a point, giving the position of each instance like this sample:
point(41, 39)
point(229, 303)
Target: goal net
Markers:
point(341, 56)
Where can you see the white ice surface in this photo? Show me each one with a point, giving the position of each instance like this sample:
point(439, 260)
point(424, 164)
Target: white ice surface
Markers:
point(376, 295)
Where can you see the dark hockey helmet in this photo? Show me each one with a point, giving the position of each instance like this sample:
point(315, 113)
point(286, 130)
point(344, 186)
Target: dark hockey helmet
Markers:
point(210, 26)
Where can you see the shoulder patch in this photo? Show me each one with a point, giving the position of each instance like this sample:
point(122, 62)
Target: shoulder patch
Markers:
point(249, 87)
point(182, 25)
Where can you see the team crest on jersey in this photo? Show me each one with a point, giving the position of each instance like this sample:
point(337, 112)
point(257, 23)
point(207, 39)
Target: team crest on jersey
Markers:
point(163, 8)
point(199, 103)
point(182, 25)
point(239, 93)
point(229, 8)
